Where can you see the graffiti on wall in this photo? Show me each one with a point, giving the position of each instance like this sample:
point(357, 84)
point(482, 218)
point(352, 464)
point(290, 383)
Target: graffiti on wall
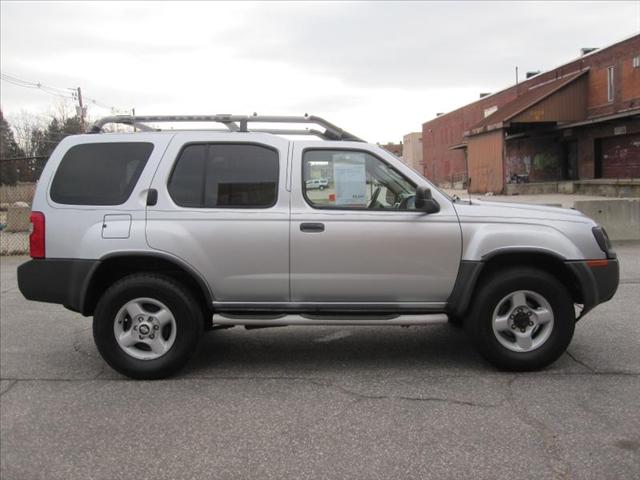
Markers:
point(533, 161)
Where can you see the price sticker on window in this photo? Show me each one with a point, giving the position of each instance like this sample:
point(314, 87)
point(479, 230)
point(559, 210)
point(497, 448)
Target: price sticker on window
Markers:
point(350, 177)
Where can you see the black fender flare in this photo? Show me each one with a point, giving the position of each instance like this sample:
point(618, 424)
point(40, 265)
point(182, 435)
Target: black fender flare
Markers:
point(180, 264)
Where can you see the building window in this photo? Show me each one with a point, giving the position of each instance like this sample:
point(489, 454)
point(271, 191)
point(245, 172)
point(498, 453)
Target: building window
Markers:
point(490, 110)
point(610, 84)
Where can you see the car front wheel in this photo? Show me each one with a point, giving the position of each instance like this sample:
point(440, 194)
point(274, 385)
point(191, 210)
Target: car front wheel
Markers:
point(522, 319)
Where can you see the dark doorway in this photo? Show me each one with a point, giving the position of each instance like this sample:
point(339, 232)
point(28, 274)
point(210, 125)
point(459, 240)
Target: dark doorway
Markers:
point(570, 160)
point(597, 151)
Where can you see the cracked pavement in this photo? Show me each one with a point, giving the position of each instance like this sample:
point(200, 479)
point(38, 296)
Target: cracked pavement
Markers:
point(323, 402)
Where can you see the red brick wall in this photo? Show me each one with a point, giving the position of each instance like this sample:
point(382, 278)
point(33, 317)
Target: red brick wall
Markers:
point(439, 134)
point(445, 131)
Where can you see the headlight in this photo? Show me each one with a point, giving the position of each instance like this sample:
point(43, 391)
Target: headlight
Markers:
point(603, 241)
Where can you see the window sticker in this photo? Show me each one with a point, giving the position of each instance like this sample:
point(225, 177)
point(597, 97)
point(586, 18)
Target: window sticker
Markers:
point(350, 177)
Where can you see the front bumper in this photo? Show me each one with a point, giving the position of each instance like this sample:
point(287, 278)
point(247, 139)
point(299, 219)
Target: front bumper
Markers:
point(598, 280)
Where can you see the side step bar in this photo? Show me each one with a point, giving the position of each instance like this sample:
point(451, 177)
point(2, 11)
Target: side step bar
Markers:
point(404, 320)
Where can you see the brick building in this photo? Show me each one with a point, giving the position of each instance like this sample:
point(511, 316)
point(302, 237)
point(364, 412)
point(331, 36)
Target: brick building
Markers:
point(578, 123)
point(395, 148)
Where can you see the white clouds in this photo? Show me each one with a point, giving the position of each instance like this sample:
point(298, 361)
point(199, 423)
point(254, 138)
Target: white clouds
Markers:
point(379, 69)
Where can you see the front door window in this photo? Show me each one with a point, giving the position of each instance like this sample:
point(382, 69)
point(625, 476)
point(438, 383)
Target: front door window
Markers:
point(354, 180)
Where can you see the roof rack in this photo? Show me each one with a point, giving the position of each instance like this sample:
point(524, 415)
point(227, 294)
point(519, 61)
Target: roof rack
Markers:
point(234, 123)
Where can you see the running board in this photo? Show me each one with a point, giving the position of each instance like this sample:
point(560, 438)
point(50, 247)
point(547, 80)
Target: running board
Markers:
point(403, 320)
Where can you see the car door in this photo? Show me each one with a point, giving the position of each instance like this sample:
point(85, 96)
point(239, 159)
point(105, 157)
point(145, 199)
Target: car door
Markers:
point(223, 208)
point(349, 248)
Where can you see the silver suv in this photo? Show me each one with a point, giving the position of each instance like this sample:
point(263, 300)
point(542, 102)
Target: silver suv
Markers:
point(160, 235)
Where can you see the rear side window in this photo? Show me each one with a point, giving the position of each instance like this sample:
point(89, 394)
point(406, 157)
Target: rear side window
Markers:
point(225, 176)
point(99, 173)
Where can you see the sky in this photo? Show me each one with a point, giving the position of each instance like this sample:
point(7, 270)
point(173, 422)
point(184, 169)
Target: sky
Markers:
point(377, 69)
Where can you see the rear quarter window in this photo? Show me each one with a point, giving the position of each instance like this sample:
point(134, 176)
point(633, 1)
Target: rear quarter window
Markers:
point(99, 173)
point(220, 175)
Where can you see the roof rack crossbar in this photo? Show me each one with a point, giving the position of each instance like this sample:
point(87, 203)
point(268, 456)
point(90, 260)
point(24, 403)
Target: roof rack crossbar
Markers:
point(332, 132)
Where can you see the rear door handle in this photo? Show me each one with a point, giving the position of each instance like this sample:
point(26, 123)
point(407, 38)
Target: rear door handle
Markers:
point(312, 227)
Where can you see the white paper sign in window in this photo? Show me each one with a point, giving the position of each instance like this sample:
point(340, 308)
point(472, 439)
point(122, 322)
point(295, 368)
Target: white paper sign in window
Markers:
point(350, 177)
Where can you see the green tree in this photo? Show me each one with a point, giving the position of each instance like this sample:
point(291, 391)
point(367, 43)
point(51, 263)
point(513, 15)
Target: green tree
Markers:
point(9, 151)
point(44, 141)
point(57, 129)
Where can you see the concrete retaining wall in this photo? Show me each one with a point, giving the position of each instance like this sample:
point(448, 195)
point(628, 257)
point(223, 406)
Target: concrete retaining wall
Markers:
point(530, 188)
point(621, 218)
point(622, 188)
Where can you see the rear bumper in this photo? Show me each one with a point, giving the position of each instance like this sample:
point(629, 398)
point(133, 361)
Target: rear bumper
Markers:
point(598, 280)
point(62, 281)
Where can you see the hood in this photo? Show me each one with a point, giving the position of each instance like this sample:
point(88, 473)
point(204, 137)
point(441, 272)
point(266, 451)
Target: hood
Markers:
point(518, 212)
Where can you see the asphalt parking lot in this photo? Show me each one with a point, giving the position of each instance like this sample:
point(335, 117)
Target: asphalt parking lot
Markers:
point(297, 402)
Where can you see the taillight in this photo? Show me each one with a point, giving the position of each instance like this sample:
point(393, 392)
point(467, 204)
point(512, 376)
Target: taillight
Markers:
point(36, 239)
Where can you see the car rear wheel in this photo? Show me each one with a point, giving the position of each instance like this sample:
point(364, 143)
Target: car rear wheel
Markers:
point(522, 319)
point(147, 326)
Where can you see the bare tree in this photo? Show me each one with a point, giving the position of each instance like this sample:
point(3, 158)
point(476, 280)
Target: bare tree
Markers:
point(28, 128)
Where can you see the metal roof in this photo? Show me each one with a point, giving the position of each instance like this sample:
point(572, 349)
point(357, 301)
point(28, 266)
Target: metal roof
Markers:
point(523, 102)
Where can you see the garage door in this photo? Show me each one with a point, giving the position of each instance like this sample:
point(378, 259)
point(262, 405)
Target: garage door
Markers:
point(621, 156)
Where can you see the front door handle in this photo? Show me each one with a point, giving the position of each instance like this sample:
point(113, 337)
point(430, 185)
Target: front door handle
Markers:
point(312, 227)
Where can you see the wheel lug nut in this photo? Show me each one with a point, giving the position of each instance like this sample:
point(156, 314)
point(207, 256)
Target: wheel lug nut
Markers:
point(140, 318)
point(513, 327)
point(140, 337)
point(135, 327)
point(529, 313)
point(530, 323)
point(152, 336)
point(522, 330)
point(156, 327)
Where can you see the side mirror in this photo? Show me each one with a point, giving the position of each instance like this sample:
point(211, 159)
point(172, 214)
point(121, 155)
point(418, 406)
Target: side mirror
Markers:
point(424, 200)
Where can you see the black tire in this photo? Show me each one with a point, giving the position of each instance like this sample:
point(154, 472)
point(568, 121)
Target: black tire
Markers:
point(186, 312)
point(493, 290)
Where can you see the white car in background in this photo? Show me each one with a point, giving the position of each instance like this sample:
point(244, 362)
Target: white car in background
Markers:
point(319, 183)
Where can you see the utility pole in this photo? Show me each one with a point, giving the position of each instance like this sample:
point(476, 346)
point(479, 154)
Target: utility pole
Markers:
point(81, 110)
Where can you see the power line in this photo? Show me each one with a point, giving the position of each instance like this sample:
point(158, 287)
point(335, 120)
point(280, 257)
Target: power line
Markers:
point(37, 85)
point(41, 87)
point(54, 91)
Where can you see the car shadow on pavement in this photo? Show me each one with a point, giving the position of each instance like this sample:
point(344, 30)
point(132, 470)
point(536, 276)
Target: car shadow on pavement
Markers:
point(326, 349)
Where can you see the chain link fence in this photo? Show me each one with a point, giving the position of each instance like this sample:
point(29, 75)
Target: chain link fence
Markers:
point(16, 197)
